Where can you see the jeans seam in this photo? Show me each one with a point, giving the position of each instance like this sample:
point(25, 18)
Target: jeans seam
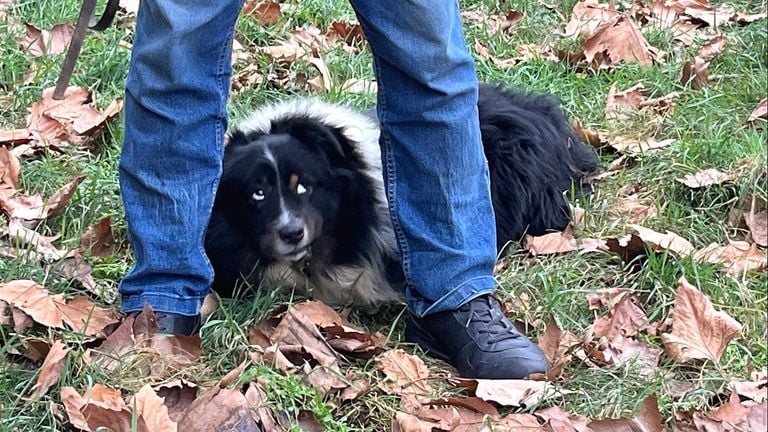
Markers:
point(391, 175)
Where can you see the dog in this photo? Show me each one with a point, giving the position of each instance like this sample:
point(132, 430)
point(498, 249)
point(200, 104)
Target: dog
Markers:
point(301, 200)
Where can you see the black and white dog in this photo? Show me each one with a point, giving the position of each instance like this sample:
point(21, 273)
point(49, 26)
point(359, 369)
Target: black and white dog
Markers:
point(301, 200)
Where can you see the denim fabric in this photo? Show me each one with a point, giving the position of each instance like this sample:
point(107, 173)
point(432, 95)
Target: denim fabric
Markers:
point(175, 119)
point(436, 174)
point(435, 170)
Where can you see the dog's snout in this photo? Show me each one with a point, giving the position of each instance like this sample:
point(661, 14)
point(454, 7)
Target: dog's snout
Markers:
point(292, 234)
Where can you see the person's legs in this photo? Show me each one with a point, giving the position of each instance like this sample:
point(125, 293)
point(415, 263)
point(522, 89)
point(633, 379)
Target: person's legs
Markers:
point(175, 120)
point(435, 171)
point(438, 187)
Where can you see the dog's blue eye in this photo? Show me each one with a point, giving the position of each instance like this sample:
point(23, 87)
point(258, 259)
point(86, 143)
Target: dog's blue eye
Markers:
point(259, 195)
point(301, 189)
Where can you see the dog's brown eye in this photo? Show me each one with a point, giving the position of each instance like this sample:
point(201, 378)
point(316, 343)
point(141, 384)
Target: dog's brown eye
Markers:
point(259, 195)
point(301, 189)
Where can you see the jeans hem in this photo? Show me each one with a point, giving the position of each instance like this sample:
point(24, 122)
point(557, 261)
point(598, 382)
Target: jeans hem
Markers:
point(168, 303)
point(455, 298)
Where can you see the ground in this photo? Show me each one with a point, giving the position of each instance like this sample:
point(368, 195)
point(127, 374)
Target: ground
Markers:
point(708, 125)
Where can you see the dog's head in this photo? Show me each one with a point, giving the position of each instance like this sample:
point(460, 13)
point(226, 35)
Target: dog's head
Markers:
point(285, 189)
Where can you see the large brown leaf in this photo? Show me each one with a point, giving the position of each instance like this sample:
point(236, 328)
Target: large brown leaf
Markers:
point(560, 242)
point(9, 171)
point(99, 240)
point(587, 17)
point(151, 410)
point(759, 114)
point(705, 178)
point(265, 13)
point(669, 241)
point(218, 409)
point(618, 41)
point(698, 330)
point(737, 257)
point(647, 419)
point(50, 371)
point(623, 106)
point(38, 43)
point(625, 319)
point(99, 407)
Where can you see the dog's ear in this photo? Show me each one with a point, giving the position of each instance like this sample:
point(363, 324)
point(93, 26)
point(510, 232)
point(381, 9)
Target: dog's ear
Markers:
point(322, 138)
point(235, 138)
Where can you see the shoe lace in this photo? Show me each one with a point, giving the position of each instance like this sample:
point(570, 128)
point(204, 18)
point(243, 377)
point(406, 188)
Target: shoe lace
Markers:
point(494, 324)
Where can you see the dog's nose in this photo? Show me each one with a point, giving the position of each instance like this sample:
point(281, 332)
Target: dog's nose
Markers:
point(292, 234)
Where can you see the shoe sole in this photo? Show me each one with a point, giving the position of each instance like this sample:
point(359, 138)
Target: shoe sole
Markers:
point(416, 334)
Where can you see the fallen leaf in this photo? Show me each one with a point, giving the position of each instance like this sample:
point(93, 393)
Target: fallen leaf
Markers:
point(355, 389)
point(324, 81)
point(633, 208)
point(560, 242)
point(745, 19)
point(515, 393)
point(177, 395)
point(618, 41)
point(549, 341)
point(669, 241)
point(403, 374)
point(35, 300)
point(647, 419)
point(695, 73)
point(265, 13)
point(760, 113)
point(589, 136)
point(706, 13)
point(625, 319)
point(756, 389)
point(587, 17)
point(218, 409)
point(712, 48)
point(323, 379)
point(562, 421)
point(685, 32)
point(623, 106)
point(38, 43)
point(698, 330)
point(14, 137)
point(99, 407)
point(50, 371)
point(69, 120)
point(636, 147)
point(350, 32)
point(705, 178)
point(99, 240)
point(259, 404)
point(756, 220)
point(621, 351)
point(151, 410)
point(295, 329)
point(61, 198)
point(9, 172)
point(738, 257)
point(731, 416)
point(493, 23)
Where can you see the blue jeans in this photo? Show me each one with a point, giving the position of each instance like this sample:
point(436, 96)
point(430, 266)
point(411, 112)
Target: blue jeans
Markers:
point(436, 174)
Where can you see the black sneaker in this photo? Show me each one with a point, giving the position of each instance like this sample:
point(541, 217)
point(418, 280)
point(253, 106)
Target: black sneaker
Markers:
point(478, 340)
point(176, 324)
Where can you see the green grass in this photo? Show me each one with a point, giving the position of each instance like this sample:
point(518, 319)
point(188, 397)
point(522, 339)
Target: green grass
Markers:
point(708, 125)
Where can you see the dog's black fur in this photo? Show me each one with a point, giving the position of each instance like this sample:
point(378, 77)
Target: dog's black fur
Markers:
point(320, 177)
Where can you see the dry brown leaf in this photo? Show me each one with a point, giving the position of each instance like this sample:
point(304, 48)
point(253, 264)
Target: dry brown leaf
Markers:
point(698, 330)
point(350, 32)
point(404, 422)
point(618, 41)
point(733, 416)
point(636, 147)
point(589, 136)
point(685, 32)
point(257, 399)
point(100, 406)
point(35, 300)
point(218, 410)
point(14, 137)
point(738, 257)
point(633, 209)
point(587, 16)
point(549, 341)
point(494, 23)
point(38, 43)
point(296, 330)
point(26, 210)
point(627, 247)
point(324, 380)
point(624, 319)
point(622, 106)
point(61, 197)
point(744, 19)
point(99, 240)
point(151, 410)
point(695, 73)
point(50, 371)
point(712, 48)
point(756, 389)
point(9, 172)
point(512, 392)
point(265, 13)
point(177, 395)
point(647, 419)
point(669, 241)
point(561, 421)
point(403, 374)
point(69, 120)
point(708, 14)
point(629, 351)
point(757, 222)
point(760, 113)
point(355, 389)
point(560, 242)
point(705, 178)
